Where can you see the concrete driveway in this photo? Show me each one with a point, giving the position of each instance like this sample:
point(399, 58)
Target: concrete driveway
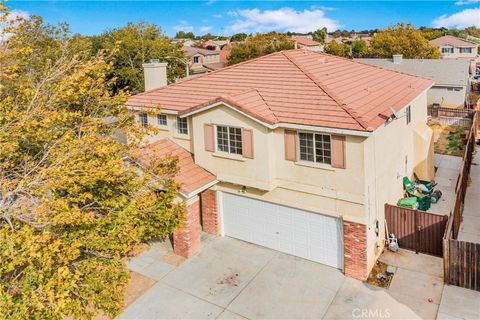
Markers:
point(232, 279)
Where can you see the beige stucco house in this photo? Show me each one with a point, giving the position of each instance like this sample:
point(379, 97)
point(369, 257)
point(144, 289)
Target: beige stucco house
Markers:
point(203, 60)
point(455, 48)
point(300, 151)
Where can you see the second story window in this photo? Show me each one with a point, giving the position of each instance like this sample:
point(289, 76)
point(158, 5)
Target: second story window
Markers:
point(408, 115)
point(229, 139)
point(196, 59)
point(162, 119)
point(465, 50)
point(143, 118)
point(315, 147)
point(447, 50)
point(182, 125)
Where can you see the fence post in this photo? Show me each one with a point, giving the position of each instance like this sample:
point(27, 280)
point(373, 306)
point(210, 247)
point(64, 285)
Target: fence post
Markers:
point(417, 231)
point(446, 261)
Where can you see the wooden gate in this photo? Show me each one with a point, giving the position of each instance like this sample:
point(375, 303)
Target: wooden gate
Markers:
point(417, 230)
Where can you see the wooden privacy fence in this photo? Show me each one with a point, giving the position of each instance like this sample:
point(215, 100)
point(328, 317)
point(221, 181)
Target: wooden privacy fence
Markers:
point(461, 259)
point(451, 116)
point(450, 112)
point(417, 230)
point(462, 182)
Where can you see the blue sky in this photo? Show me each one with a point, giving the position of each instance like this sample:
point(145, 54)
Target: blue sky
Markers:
point(228, 17)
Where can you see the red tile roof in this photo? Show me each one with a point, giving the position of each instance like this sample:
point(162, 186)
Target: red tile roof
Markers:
point(306, 41)
point(453, 41)
point(296, 87)
point(191, 177)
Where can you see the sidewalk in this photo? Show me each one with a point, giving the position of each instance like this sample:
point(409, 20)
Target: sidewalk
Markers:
point(470, 226)
point(448, 168)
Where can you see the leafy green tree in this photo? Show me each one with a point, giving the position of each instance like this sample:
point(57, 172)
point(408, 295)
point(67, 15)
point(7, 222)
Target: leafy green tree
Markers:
point(404, 39)
point(359, 48)
point(71, 207)
point(320, 35)
point(208, 36)
point(473, 31)
point(259, 45)
point(337, 49)
point(238, 37)
point(184, 35)
point(133, 45)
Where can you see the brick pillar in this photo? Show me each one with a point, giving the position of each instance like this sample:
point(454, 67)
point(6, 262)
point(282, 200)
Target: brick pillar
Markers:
point(186, 239)
point(355, 250)
point(210, 218)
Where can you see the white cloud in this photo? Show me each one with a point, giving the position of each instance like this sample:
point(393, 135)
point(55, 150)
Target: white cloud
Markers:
point(217, 16)
point(324, 8)
point(184, 26)
point(210, 2)
point(14, 15)
point(466, 2)
point(284, 19)
point(462, 19)
point(205, 29)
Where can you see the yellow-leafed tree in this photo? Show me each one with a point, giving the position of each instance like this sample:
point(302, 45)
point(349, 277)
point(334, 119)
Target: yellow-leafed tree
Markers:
point(71, 206)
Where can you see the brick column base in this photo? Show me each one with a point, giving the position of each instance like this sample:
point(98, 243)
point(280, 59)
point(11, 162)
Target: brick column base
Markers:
point(210, 218)
point(355, 250)
point(186, 239)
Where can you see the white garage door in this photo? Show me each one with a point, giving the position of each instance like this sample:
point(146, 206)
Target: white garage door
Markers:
point(301, 233)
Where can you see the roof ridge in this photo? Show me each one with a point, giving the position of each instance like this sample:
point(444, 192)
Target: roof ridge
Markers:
point(264, 101)
point(352, 113)
point(462, 39)
point(260, 95)
point(209, 73)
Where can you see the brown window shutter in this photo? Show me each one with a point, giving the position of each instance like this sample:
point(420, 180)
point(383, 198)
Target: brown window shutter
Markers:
point(247, 143)
point(338, 152)
point(209, 137)
point(290, 145)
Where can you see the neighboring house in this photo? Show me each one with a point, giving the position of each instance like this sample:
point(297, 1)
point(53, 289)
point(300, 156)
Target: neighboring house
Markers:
point(302, 151)
point(186, 42)
point(451, 77)
point(203, 60)
point(306, 43)
point(455, 48)
point(348, 40)
point(215, 45)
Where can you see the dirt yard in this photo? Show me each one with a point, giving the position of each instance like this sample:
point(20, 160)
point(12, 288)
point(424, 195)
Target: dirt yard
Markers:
point(450, 140)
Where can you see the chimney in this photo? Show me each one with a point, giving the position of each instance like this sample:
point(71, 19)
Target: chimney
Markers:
point(397, 58)
point(155, 74)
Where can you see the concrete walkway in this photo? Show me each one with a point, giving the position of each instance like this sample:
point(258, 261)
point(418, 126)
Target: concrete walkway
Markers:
point(459, 303)
point(448, 168)
point(470, 226)
point(232, 279)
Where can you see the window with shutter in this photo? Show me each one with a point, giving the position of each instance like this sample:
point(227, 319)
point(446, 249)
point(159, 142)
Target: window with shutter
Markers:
point(314, 147)
point(229, 139)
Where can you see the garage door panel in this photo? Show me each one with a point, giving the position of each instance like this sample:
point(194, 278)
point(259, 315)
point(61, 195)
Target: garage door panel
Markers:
point(305, 234)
